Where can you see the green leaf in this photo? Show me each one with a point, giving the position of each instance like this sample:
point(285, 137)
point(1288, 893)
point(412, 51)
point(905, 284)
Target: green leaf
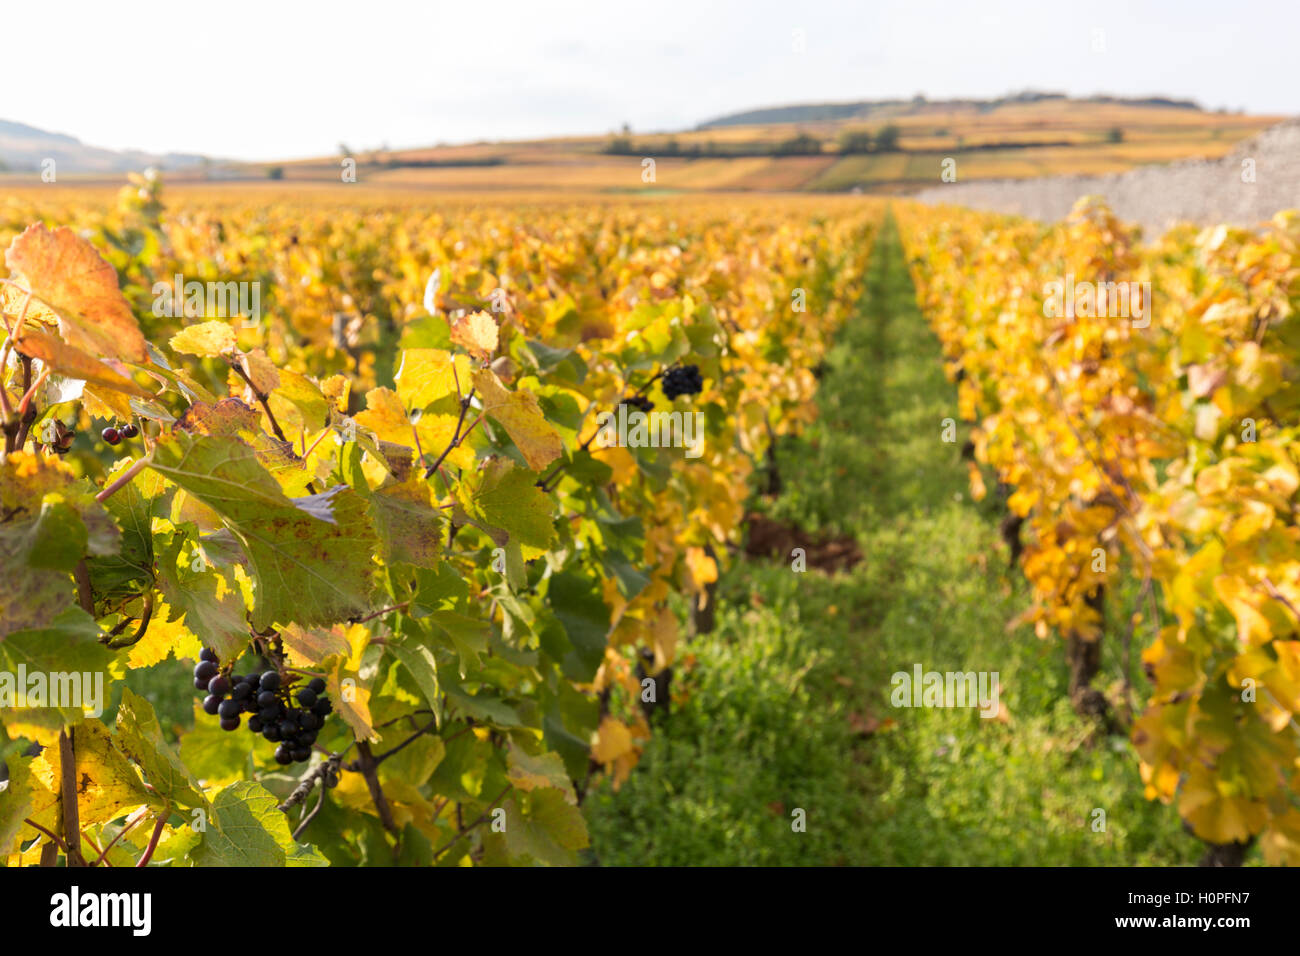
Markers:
point(69, 647)
point(533, 771)
point(129, 571)
point(507, 503)
point(545, 827)
point(484, 708)
point(468, 634)
point(419, 659)
point(580, 608)
point(247, 828)
point(15, 804)
point(309, 557)
point(140, 737)
point(409, 527)
point(213, 608)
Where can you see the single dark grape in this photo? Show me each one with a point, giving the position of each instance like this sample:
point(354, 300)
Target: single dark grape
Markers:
point(301, 753)
point(219, 685)
point(287, 728)
point(316, 686)
point(307, 738)
point(322, 707)
point(306, 697)
point(266, 698)
point(208, 654)
point(111, 435)
point(269, 715)
point(201, 683)
point(211, 704)
point(309, 721)
point(229, 708)
point(284, 754)
point(271, 732)
point(270, 681)
point(206, 670)
point(230, 723)
point(130, 430)
point(255, 724)
point(241, 691)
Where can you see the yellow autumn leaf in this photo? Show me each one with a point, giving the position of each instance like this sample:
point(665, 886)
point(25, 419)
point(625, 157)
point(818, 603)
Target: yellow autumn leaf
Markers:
point(477, 332)
point(426, 376)
point(519, 413)
point(205, 339)
point(107, 785)
point(613, 740)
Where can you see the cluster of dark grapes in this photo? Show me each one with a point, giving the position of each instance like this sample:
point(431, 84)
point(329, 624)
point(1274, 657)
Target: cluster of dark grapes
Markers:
point(682, 380)
point(276, 716)
point(639, 402)
point(114, 435)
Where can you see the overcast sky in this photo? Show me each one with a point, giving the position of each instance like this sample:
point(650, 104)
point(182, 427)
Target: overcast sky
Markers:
point(273, 79)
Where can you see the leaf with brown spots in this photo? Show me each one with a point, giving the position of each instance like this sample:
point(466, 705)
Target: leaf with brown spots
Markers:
point(410, 528)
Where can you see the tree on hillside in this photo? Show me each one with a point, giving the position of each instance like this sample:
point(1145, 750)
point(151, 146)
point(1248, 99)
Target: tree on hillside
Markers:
point(801, 145)
point(856, 141)
point(1115, 135)
point(887, 138)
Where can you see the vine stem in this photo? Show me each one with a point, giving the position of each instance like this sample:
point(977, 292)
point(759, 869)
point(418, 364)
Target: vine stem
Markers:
point(68, 797)
point(264, 399)
point(381, 612)
point(456, 437)
point(482, 817)
point(153, 841)
point(125, 478)
point(127, 828)
point(367, 766)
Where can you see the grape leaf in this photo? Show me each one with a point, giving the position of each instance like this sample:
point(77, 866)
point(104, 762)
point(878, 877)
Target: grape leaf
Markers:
point(477, 332)
point(585, 617)
point(506, 502)
point(73, 362)
point(426, 376)
point(212, 608)
point(247, 828)
point(520, 415)
point(206, 339)
point(309, 557)
point(532, 771)
point(545, 827)
point(418, 658)
point(107, 784)
point(48, 521)
point(66, 273)
point(140, 737)
point(307, 647)
point(409, 527)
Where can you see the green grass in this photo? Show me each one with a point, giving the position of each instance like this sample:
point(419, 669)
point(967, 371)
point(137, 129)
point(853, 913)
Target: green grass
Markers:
point(799, 660)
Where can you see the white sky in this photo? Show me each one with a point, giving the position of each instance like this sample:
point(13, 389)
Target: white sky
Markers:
point(275, 79)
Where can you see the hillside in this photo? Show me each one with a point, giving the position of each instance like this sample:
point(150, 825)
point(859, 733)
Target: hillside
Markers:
point(874, 109)
point(23, 149)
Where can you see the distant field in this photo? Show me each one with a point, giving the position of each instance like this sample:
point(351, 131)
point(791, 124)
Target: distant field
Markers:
point(1013, 141)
